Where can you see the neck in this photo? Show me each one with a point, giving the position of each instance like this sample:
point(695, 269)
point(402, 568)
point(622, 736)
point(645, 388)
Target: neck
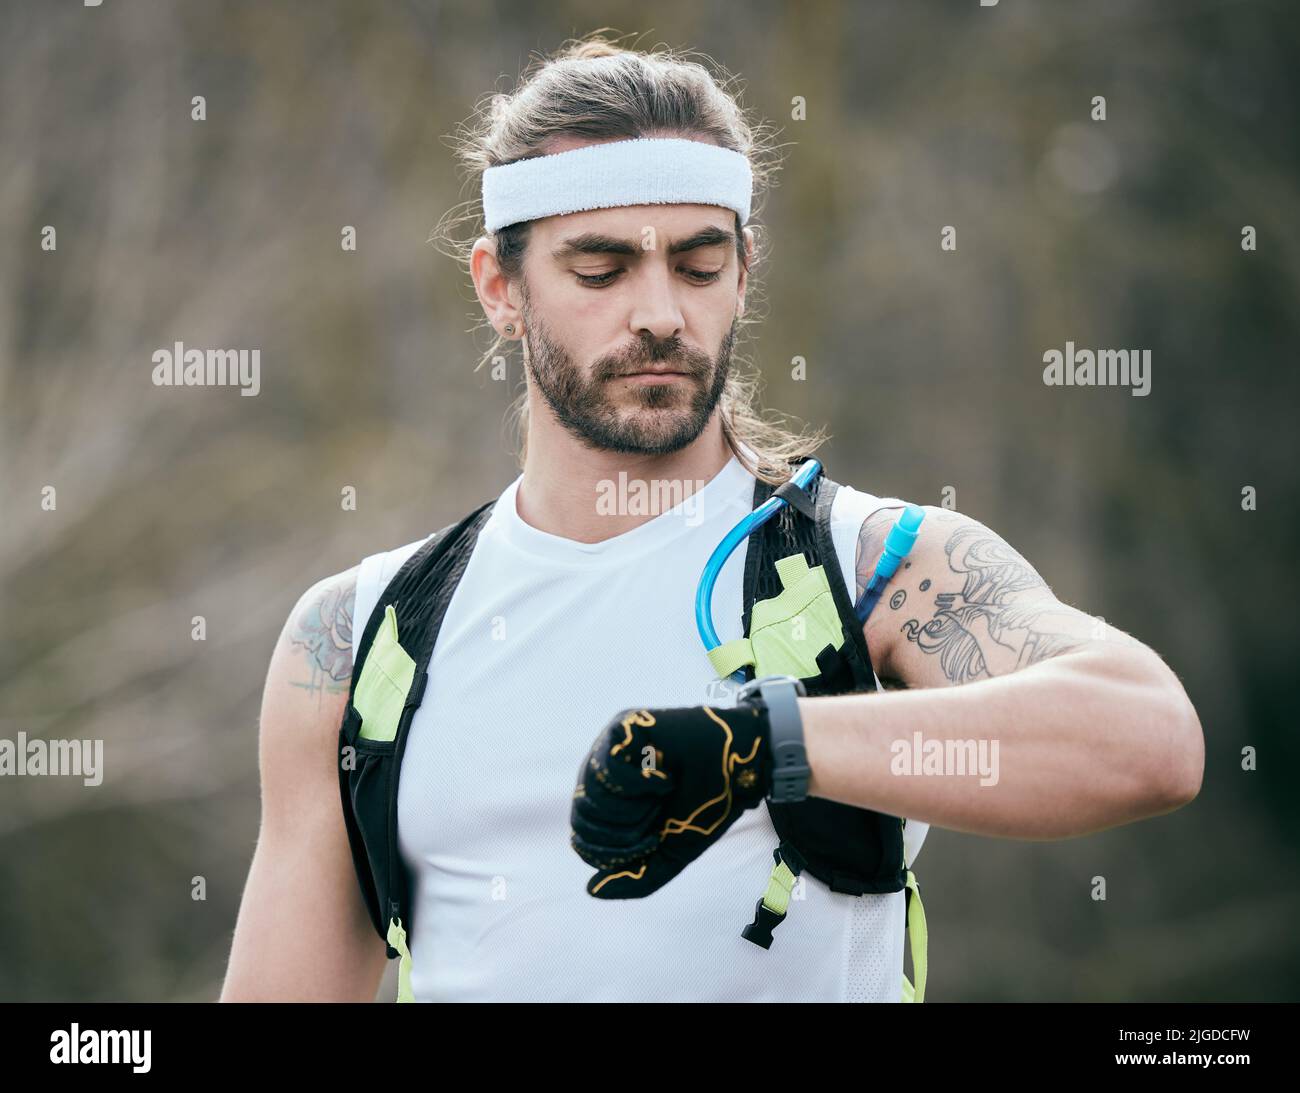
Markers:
point(563, 478)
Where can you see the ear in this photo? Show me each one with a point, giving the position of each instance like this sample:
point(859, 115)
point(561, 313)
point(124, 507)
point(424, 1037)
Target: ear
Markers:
point(495, 291)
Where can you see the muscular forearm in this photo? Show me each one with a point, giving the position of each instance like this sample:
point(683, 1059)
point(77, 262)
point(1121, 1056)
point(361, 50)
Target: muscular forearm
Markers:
point(1082, 742)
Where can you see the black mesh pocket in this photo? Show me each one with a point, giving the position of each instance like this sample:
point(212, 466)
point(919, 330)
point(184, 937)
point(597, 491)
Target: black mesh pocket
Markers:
point(366, 770)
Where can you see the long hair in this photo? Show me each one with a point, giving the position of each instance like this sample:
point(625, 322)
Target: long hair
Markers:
point(594, 88)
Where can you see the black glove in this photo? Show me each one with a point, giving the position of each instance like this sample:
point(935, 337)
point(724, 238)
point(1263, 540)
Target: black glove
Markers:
point(659, 787)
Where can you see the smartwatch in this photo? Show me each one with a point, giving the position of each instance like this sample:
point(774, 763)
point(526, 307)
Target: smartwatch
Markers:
point(790, 770)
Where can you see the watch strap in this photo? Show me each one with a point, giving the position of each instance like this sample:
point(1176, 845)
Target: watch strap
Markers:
point(790, 771)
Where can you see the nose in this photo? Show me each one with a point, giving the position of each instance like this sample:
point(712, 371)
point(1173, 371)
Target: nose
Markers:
point(656, 310)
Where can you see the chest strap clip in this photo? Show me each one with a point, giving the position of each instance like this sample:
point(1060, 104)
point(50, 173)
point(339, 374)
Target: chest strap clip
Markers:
point(772, 906)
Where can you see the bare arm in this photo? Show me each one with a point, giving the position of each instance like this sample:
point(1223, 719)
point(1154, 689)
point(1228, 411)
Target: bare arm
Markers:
point(303, 933)
point(1088, 727)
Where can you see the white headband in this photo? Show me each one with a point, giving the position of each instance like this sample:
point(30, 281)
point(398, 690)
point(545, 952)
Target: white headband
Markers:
point(645, 171)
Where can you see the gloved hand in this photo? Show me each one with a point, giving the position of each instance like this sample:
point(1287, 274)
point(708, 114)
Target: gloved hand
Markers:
point(659, 787)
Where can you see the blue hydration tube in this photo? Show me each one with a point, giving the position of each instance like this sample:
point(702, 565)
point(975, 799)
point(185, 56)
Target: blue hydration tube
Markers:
point(897, 544)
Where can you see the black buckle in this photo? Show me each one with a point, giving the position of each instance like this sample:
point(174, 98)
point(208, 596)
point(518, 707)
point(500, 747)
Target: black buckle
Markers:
point(765, 921)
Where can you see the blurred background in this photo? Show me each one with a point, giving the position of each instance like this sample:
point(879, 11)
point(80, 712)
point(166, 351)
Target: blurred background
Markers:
point(925, 365)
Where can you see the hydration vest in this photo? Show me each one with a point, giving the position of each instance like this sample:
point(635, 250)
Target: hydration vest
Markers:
point(798, 620)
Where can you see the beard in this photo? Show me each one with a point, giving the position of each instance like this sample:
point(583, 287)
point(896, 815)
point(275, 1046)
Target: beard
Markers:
point(608, 414)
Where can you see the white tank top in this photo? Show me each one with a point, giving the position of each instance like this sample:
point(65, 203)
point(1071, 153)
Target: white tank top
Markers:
point(544, 641)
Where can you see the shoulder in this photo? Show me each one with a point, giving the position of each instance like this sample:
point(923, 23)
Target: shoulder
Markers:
point(947, 542)
point(952, 547)
point(319, 630)
point(862, 520)
point(328, 619)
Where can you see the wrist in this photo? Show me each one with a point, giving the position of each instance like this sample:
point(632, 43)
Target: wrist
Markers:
point(788, 773)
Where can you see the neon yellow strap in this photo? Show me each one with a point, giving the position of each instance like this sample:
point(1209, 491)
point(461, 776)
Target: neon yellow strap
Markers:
point(779, 885)
point(792, 569)
point(397, 939)
point(916, 933)
point(731, 656)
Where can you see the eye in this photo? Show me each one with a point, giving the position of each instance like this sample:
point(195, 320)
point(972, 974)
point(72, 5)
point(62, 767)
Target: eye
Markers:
point(598, 280)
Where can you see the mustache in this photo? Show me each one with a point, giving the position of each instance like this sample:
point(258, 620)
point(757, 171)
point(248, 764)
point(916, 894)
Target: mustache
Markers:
point(673, 353)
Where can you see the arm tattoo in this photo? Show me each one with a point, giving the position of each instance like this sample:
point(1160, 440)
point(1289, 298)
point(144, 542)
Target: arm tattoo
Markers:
point(996, 607)
point(323, 630)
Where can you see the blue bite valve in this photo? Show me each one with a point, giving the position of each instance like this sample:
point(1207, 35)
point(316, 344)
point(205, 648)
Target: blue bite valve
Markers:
point(899, 541)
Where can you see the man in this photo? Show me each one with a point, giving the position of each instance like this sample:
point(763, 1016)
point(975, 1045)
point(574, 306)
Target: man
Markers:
point(621, 267)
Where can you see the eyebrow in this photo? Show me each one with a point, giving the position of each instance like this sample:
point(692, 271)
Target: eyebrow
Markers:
point(595, 243)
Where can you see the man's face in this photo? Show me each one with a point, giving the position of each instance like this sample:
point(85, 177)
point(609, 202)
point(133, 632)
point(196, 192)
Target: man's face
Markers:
point(630, 316)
